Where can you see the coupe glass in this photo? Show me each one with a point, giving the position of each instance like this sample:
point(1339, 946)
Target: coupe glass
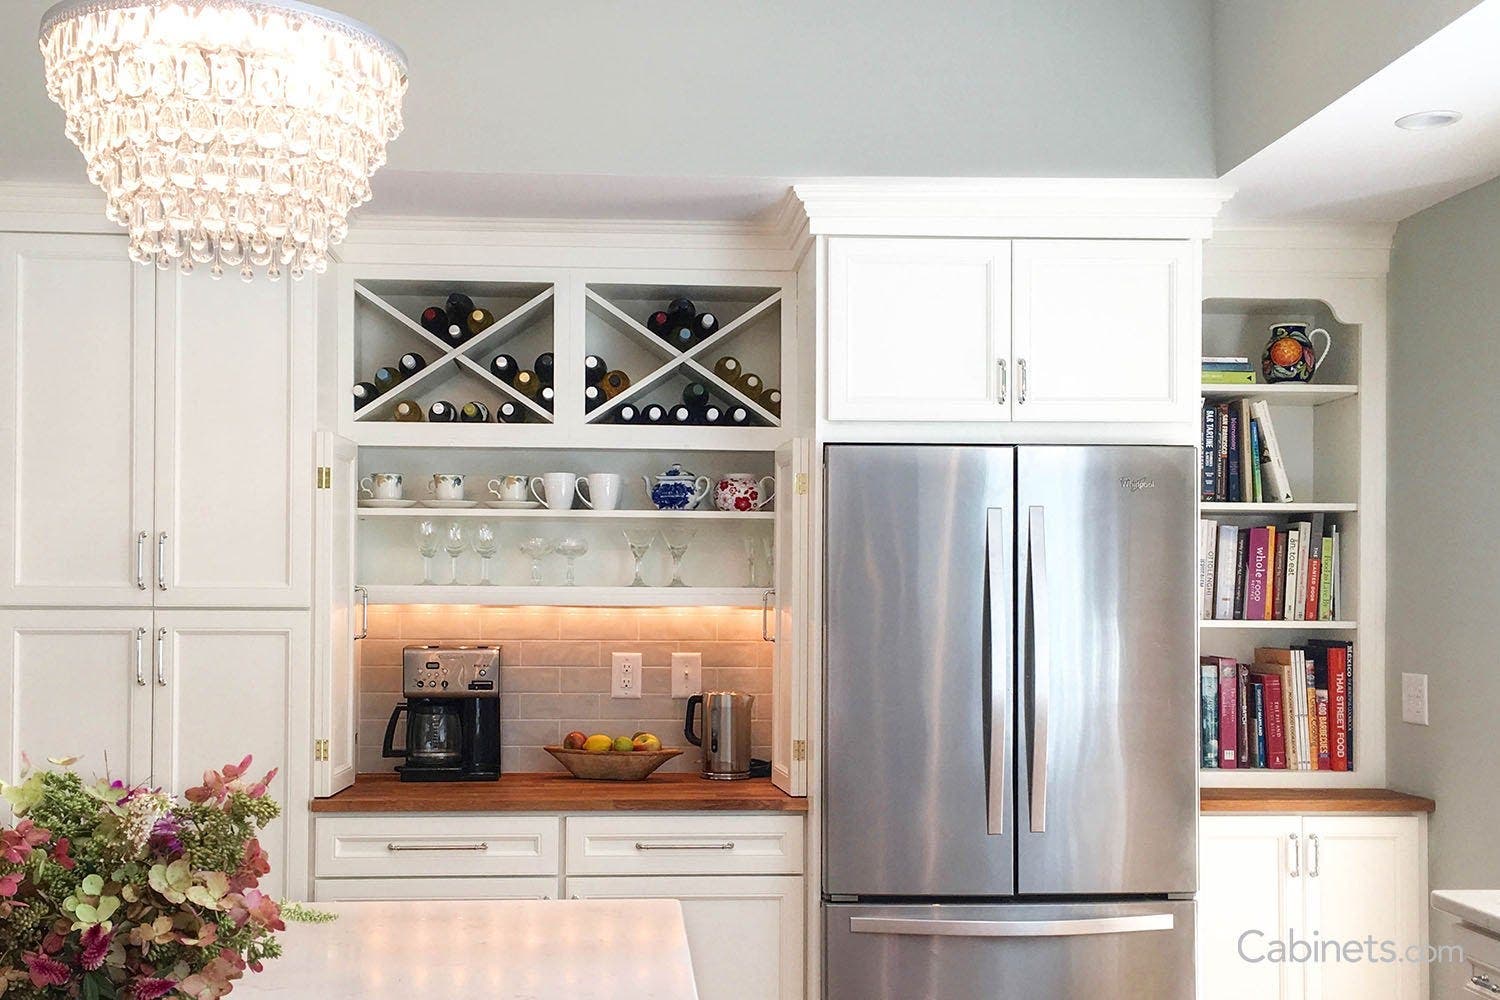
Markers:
point(640, 543)
point(535, 548)
point(571, 549)
point(455, 544)
point(485, 546)
point(427, 544)
point(677, 541)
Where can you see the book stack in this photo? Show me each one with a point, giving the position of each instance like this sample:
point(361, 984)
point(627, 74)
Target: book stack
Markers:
point(1228, 371)
point(1242, 460)
point(1270, 572)
point(1292, 709)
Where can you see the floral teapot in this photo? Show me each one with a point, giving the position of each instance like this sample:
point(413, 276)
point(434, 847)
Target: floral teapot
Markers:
point(1290, 354)
point(676, 489)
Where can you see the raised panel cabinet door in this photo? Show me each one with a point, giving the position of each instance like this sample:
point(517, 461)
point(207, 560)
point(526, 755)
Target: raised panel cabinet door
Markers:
point(234, 442)
point(76, 684)
point(745, 932)
point(790, 622)
point(75, 422)
point(339, 620)
point(1250, 881)
point(918, 329)
point(1364, 883)
point(231, 683)
point(1105, 330)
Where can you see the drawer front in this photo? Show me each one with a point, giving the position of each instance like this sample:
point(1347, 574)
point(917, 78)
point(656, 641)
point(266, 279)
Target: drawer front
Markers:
point(333, 890)
point(394, 846)
point(684, 844)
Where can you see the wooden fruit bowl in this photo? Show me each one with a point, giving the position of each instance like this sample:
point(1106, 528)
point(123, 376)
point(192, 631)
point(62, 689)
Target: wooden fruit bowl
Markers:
point(612, 765)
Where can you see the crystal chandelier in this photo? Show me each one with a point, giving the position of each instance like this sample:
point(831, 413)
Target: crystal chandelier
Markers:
point(226, 133)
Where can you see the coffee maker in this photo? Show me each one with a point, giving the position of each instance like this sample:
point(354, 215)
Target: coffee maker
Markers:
point(452, 712)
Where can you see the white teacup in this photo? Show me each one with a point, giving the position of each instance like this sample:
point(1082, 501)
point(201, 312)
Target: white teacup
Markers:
point(509, 488)
point(446, 486)
point(556, 489)
point(603, 491)
point(381, 486)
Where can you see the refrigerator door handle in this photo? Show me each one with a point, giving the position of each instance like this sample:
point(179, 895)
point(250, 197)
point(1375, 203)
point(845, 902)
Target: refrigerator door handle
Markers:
point(1085, 927)
point(999, 666)
point(1040, 663)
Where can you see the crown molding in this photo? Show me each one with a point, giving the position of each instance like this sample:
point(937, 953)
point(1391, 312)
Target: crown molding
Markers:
point(1327, 249)
point(31, 206)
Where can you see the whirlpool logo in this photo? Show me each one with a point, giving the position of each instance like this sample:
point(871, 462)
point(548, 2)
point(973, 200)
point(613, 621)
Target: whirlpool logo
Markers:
point(1130, 485)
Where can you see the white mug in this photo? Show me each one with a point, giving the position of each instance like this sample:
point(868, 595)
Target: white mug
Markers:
point(603, 491)
point(446, 486)
point(557, 489)
point(509, 488)
point(381, 486)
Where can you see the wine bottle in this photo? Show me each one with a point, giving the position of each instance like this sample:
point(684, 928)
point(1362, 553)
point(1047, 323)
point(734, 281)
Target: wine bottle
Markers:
point(545, 396)
point(592, 397)
point(752, 384)
point(411, 363)
point(680, 414)
point(614, 383)
point(737, 416)
point(544, 367)
point(705, 326)
point(658, 322)
point(408, 411)
point(503, 367)
point(654, 413)
point(364, 392)
point(474, 412)
point(627, 414)
point(771, 400)
point(442, 412)
point(459, 307)
point(478, 321)
point(509, 413)
point(728, 369)
point(682, 311)
point(385, 378)
point(527, 383)
point(695, 394)
point(594, 368)
point(710, 414)
point(435, 320)
point(681, 336)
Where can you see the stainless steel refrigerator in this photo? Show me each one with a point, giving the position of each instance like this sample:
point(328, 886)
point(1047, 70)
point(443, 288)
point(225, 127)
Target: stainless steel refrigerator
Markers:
point(1010, 731)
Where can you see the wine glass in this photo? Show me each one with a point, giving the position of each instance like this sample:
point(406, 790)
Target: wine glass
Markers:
point(677, 541)
point(455, 544)
point(535, 548)
point(768, 553)
point(571, 548)
point(427, 544)
point(485, 545)
point(752, 546)
point(640, 543)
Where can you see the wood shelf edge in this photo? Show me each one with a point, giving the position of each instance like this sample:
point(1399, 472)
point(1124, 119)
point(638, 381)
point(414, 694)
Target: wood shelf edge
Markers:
point(548, 792)
point(1312, 800)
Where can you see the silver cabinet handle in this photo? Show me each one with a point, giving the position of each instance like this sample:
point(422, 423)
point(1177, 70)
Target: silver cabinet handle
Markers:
point(999, 666)
point(364, 613)
point(481, 846)
point(140, 560)
point(1021, 381)
point(765, 611)
point(161, 657)
point(1012, 928)
point(728, 845)
point(1296, 869)
point(1041, 659)
point(1483, 982)
point(161, 561)
point(140, 656)
point(1000, 392)
point(1314, 856)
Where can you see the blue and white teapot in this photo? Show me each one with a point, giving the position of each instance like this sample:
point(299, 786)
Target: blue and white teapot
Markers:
point(676, 489)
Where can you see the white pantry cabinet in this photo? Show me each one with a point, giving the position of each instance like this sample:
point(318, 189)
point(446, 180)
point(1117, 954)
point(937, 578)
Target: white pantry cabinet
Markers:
point(1316, 879)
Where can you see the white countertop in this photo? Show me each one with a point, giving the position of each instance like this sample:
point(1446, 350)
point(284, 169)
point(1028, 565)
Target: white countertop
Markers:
point(497, 949)
point(1480, 907)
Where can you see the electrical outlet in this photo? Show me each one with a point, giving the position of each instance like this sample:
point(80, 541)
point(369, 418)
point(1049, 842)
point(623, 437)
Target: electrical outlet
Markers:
point(625, 675)
point(1414, 699)
point(687, 674)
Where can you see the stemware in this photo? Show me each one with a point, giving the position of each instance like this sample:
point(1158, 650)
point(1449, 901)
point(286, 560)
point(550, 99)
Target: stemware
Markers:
point(752, 546)
point(768, 559)
point(571, 548)
point(485, 544)
point(535, 548)
point(640, 543)
point(455, 544)
point(427, 545)
point(677, 541)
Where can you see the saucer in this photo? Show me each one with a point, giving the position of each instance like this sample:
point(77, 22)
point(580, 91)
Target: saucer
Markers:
point(450, 504)
point(386, 504)
point(513, 504)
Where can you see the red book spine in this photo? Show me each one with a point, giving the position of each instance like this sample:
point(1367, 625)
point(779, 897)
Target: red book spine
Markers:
point(1338, 696)
point(1275, 723)
point(1229, 713)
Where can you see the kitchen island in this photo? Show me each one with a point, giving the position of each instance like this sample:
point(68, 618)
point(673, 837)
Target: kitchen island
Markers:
point(499, 949)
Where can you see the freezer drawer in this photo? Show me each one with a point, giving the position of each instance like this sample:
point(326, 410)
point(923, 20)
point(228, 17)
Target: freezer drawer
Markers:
point(1010, 951)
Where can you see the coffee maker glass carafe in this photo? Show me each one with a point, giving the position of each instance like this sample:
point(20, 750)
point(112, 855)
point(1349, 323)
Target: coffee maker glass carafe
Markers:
point(434, 734)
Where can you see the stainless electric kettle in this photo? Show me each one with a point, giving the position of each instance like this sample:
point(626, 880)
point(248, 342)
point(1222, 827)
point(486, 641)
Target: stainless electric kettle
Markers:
point(726, 733)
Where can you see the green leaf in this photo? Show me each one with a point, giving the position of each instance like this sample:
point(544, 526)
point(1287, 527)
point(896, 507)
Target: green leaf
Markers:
point(92, 885)
point(90, 987)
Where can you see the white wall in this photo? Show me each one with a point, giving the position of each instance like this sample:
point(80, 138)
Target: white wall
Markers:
point(1444, 525)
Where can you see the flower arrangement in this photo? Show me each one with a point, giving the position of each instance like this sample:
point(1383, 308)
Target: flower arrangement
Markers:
point(109, 892)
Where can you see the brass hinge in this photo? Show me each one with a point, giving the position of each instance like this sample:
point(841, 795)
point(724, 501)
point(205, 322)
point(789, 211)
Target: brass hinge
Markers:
point(325, 478)
point(799, 749)
point(799, 484)
point(320, 749)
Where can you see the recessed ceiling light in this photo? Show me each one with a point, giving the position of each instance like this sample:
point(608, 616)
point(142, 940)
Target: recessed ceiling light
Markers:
point(1423, 120)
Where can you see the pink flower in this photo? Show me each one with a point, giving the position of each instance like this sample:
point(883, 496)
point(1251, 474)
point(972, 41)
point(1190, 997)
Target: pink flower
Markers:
point(95, 946)
point(151, 989)
point(256, 904)
point(259, 788)
point(255, 864)
point(60, 853)
point(10, 884)
point(16, 844)
point(45, 971)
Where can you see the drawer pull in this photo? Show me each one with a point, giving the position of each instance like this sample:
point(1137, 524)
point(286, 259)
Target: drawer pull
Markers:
point(481, 846)
point(1485, 983)
point(728, 845)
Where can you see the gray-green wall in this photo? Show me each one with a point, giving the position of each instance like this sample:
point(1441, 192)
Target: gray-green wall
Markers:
point(1444, 525)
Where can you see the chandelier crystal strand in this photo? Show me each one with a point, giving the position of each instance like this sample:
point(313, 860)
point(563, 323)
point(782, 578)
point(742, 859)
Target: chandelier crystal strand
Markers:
point(233, 134)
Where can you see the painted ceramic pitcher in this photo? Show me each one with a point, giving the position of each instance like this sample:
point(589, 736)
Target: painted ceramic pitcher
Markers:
point(1289, 354)
point(743, 492)
point(676, 490)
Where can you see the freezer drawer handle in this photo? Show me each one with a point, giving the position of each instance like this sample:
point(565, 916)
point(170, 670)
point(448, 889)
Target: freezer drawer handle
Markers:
point(1000, 600)
point(1041, 660)
point(1012, 928)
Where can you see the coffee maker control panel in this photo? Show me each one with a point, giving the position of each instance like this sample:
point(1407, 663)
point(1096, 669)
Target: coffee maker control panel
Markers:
point(451, 671)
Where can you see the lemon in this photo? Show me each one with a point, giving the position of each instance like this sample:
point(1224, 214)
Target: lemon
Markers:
point(598, 743)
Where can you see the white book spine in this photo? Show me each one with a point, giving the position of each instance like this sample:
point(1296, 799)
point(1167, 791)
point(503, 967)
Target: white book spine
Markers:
point(1275, 485)
point(1208, 539)
point(1224, 585)
point(1304, 737)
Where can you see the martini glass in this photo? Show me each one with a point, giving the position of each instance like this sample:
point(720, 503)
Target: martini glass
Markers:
point(640, 543)
point(678, 540)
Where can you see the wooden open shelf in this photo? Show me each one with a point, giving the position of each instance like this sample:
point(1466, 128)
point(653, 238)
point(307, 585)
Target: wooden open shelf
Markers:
point(1283, 393)
point(543, 514)
point(1298, 507)
point(594, 597)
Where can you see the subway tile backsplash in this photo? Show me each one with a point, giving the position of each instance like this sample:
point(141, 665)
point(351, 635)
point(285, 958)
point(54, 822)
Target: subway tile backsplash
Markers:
point(555, 672)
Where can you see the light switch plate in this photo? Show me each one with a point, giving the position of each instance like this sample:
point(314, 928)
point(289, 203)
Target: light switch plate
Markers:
point(1414, 699)
point(625, 675)
point(687, 674)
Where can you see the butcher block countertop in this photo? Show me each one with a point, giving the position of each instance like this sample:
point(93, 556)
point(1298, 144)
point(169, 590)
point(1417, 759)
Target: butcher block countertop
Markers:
point(1311, 800)
point(383, 793)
